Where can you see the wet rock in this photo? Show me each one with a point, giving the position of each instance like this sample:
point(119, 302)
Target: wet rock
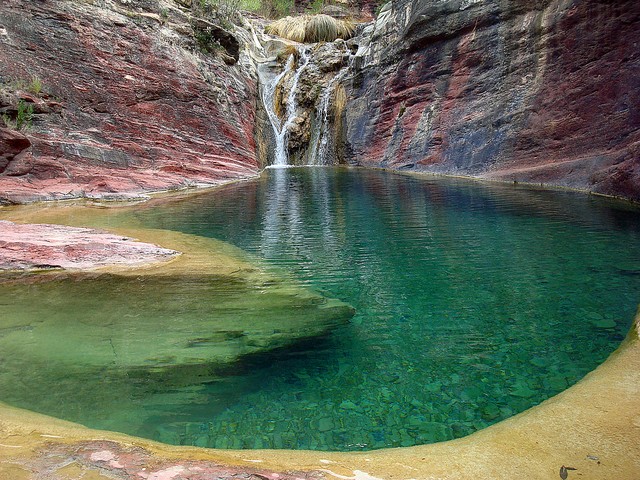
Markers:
point(166, 332)
point(490, 412)
point(317, 78)
point(299, 132)
point(325, 424)
point(348, 405)
point(604, 323)
point(521, 389)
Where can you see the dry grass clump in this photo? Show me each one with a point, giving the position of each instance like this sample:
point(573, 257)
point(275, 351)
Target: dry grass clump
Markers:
point(288, 27)
point(311, 28)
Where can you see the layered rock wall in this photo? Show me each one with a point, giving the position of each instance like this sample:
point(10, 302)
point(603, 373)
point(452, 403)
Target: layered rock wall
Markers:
point(544, 91)
point(129, 101)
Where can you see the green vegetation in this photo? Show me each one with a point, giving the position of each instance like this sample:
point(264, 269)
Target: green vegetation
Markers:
point(251, 5)
point(24, 117)
point(276, 8)
point(311, 28)
point(280, 8)
point(403, 108)
point(225, 11)
point(32, 86)
point(207, 42)
point(35, 86)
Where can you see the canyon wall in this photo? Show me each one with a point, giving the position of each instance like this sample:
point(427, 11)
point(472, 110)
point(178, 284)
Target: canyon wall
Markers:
point(127, 98)
point(133, 99)
point(543, 91)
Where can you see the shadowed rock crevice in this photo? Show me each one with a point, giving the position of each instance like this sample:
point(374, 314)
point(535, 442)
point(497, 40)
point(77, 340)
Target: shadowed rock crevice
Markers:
point(208, 35)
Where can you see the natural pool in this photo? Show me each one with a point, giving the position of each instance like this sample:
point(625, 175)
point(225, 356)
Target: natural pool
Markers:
point(472, 303)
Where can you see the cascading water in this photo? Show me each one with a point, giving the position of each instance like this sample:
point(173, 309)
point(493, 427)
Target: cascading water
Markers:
point(300, 102)
point(281, 127)
point(322, 133)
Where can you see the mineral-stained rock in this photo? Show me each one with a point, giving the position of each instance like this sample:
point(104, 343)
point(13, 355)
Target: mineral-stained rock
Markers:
point(132, 104)
point(36, 246)
point(538, 92)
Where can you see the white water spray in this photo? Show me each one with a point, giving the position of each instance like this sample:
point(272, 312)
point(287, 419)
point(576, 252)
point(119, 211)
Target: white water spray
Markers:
point(322, 131)
point(281, 128)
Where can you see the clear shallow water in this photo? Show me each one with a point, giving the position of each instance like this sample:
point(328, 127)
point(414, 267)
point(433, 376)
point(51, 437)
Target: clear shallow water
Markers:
point(472, 303)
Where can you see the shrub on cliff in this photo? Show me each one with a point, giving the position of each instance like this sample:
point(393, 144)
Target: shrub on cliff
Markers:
point(225, 11)
point(311, 28)
point(23, 117)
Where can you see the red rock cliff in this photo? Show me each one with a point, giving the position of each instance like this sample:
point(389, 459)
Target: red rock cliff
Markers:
point(541, 91)
point(128, 103)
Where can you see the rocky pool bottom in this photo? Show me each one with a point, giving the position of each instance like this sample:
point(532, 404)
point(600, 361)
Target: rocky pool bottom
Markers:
point(591, 431)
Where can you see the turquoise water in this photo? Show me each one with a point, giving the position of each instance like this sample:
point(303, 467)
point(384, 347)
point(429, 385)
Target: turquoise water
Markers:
point(472, 303)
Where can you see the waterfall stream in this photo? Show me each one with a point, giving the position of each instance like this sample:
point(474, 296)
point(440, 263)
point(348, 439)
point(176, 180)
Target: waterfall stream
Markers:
point(317, 149)
point(322, 132)
point(281, 127)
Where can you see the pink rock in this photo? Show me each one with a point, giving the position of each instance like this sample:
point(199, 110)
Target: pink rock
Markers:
point(132, 112)
point(517, 91)
point(102, 456)
point(167, 473)
point(34, 246)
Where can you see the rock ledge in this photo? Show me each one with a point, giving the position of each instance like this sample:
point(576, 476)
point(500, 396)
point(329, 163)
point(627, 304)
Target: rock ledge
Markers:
point(42, 246)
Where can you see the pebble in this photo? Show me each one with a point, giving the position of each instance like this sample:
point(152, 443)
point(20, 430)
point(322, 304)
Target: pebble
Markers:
point(325, 424)
point(348, 405)
point(490, 412)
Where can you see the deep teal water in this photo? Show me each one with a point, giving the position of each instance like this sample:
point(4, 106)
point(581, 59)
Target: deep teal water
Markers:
point(473, 302)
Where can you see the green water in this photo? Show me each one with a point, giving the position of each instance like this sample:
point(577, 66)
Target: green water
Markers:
point(472, 303)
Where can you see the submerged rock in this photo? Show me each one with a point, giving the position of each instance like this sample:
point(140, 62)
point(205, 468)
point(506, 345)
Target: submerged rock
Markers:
point(146, 341)
point(161, 323)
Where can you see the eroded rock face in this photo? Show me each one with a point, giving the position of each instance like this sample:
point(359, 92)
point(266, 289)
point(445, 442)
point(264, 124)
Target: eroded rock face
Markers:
point(538, 92)
point(12, 143)
point(128, 102)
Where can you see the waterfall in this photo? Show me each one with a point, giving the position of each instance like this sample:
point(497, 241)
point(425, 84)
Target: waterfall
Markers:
point(322, 131)
point(313, 115)
point(281, 127)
